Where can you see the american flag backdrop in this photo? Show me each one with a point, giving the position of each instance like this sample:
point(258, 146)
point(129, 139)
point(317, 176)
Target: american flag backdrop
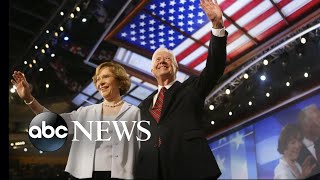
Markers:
point(183, 27)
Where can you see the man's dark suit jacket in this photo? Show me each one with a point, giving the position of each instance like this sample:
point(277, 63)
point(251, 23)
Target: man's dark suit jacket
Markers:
point(184, 152)
point(304, 153)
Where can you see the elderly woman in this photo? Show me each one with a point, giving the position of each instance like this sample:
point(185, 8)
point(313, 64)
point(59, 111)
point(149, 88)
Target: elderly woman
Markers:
point(289, 145)
point(95, 159)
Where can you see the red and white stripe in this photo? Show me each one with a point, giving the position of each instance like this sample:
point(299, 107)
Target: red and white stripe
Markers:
point(258, 17)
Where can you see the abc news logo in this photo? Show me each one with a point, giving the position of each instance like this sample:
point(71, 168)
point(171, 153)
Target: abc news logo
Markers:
point(49, 131)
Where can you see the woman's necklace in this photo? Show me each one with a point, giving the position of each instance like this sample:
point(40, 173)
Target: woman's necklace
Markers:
point(114, 105)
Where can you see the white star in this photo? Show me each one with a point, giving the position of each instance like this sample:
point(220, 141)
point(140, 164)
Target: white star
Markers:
point(143, 43)
point(132, 32)
point(181, 16)
point(182, 1)
point(180, 36)
point(191, 8)
point(153, 6)
point(163, 4)
point(162, 12)
point(171, 31)
point(238, 140)
point(171, 38)
point(190, 23)
point(151, 35)
point(181, 9)
point(180, 23)
point(172, 24)
point(152, 21)
point(142, 31)
point(192, 1)
point(172, 3)
point(142, 37)
point(163, 19)
point(161, 40)
point(142, 16)
point(142, 24)
point(200, 21)
point(190, 15)
point(171, 44)
point(153, 47)
point(220, 163)
point(133, 39)
point(190, 29)
point(132, 26)
point(152, 41)
point(201, 14)
point(171, 11)
point(162, 45)
point(161, 27)
point(161, 33)
point(124, 34)
point(151, 29)
point(171, 18)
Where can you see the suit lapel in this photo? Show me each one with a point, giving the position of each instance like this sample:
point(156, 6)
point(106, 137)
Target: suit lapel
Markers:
point(146, 105)
point(168, 98)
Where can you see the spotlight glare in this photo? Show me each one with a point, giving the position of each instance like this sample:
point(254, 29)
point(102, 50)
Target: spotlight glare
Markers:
point(84, 20)
point(61, 13)
point(263, 78)
point(230, 113)
point(40, 152)
point(303, 40)
point(11, 144)
point(228, 91)
point(246, 76)
point(268, 94)
point(36, 47)
point(250, 103)
point(40, 69)
point(306, 75)
point(61, 28)
point(211, 107)
point(53, 55)
point(25, 62)
point(72, 15)
point(66, 38)
point(212, 122)
point(43, 51)
point(12, 90)
point(265, 62)
point(25, 149)
point(288, 83)
point(47, 31)
point(47, 85)
point(56, 34)
point(30, 65)
point(78, 8)
point(34, 61)
point(47, 46)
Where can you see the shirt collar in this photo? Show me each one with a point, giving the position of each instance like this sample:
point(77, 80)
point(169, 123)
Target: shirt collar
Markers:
point(167, 86)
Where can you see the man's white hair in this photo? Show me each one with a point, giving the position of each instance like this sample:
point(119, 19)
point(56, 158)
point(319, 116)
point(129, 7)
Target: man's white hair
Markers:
point(163, 49)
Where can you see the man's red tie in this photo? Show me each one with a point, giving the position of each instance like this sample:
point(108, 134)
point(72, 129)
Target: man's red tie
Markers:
point(156, 110)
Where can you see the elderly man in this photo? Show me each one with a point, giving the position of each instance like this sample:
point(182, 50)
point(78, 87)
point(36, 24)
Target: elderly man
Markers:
point(178, 148)
point(309, 121)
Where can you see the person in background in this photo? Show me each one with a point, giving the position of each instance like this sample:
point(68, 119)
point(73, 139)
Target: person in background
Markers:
point(289, 145)
point(178, 148)
point(92, 159)
point(309, 123)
